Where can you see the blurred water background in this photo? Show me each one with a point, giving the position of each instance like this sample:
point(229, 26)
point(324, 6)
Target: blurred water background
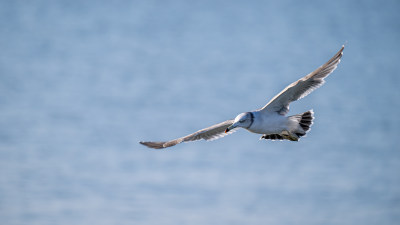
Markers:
point(82, 82)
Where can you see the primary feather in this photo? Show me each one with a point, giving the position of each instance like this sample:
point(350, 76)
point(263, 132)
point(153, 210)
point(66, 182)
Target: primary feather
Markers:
point(302, 87)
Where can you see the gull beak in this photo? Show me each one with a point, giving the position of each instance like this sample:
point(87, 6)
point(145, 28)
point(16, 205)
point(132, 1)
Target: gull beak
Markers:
point(230, 128)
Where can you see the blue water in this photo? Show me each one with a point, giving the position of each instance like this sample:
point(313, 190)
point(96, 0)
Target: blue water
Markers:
point(81, 83)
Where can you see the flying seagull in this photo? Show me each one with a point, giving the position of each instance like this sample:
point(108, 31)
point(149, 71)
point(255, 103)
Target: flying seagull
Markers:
point(270, 120)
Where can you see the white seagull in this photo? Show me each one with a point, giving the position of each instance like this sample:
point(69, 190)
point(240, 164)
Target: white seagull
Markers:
point(270, 120)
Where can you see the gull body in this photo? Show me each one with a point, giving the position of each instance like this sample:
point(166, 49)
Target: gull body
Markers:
point(263, 123)
point(273, 125)
point(271, 120)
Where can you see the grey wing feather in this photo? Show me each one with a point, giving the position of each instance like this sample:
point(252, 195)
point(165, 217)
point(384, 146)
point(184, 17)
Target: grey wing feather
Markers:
point(303, 87)
point(211, 133)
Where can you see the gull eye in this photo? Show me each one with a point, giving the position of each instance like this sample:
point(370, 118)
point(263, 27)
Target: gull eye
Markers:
point(241, 121)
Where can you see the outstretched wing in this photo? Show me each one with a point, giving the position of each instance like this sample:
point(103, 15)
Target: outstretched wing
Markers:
point(210, 133)
point(303, 87)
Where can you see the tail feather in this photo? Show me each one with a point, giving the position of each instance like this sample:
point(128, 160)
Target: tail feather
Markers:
point(305, 120)
point(273, 137)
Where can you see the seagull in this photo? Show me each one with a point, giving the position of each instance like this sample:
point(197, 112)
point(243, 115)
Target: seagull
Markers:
point(270, 120)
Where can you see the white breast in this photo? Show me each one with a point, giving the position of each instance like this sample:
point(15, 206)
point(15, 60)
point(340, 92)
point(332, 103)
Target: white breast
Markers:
point(271, 123)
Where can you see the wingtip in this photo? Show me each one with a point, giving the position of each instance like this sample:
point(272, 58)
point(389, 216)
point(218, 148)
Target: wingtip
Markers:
point(339, 54)
point(342, 48)
point(153, 145)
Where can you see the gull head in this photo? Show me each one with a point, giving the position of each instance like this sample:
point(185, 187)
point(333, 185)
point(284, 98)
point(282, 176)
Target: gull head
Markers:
point(244, 120)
